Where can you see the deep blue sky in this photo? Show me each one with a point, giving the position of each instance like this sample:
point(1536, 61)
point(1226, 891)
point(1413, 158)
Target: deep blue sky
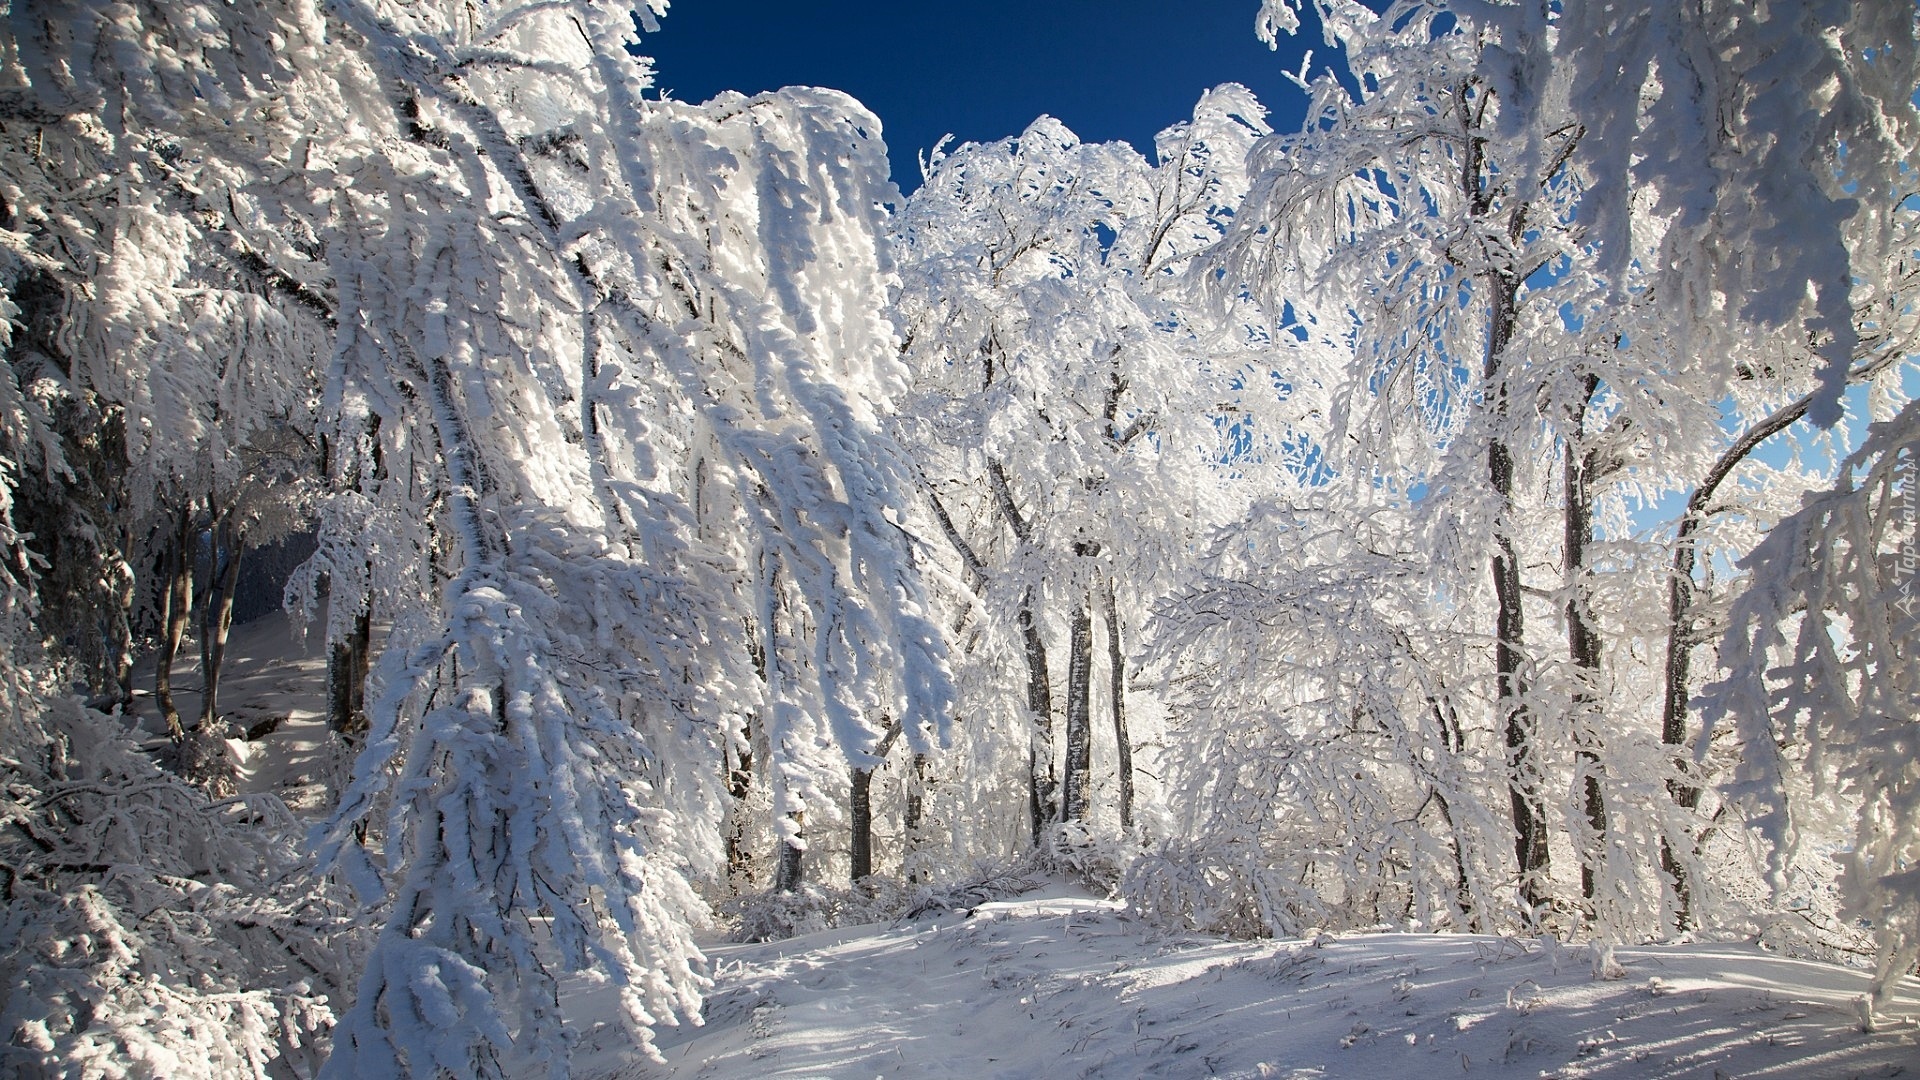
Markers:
point(982, 70)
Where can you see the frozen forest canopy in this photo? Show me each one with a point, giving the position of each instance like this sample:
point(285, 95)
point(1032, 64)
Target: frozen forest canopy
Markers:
point(1488, 508)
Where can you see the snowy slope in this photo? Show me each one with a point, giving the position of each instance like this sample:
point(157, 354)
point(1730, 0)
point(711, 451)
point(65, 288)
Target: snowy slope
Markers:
point(1069, 986)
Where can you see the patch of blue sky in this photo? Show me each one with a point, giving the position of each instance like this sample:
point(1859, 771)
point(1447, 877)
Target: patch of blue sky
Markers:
point(1108, 69)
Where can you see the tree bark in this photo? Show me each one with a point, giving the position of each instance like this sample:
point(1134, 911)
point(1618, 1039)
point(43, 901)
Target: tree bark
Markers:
point(1523, 769)
point(121, 623)
point(216, 621)
point(1583, 640)
point(349, 660)
point(347, 664)
point(1041, 786)
point(1502, 283)
point(1078, 773)
point(861, 848)
point(177, 601)
point(1462, 887)
point(791, 872)
point(914, 817)
point(739, 779)
point(1040, 776)
point(861, 816)
point(1117, 690)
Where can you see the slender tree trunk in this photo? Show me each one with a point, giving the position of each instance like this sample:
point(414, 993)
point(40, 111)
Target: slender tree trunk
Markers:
point(216, 621)
point(1040, 777)
point(1041, 786)
point(1521, 727)
point(862, 825)
point(177, 600)
point(349, 659)
point(760, 650)
point(1447, 722)
point(1523, 770)
point(739, 778)
point(914, 817)
point(861, 817)
point(1682, 636)
point(1078, 773)
point(1117, 691)
point(1510, 709)
point(1463, 889)
point(1583, 643)
point(347, 663)
point(790, 873)
point(120, 625)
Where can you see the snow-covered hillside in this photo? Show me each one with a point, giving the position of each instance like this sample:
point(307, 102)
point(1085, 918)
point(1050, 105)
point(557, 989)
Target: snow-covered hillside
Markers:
point(1058, 984)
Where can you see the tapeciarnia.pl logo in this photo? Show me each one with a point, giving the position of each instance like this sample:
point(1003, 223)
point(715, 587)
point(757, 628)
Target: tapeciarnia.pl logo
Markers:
point(1907, 514)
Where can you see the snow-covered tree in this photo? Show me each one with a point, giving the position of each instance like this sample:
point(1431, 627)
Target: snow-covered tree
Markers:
point(555, 286)
point(1540, 344)
point(152, 368)
point(629, 576)
point(541, 291)
point(1822, 684)
point(1414, 205)
point(1065, 388)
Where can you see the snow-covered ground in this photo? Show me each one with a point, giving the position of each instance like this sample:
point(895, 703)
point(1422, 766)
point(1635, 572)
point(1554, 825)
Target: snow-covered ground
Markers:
point(1060, 985)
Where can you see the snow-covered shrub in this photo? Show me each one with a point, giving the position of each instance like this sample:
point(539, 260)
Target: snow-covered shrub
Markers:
point(150, 931)
point(1173, 885)
point(1097, 860)
point(776, 915)
point(990, 881)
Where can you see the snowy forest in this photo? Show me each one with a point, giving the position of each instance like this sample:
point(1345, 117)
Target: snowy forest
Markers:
point(1488, 509)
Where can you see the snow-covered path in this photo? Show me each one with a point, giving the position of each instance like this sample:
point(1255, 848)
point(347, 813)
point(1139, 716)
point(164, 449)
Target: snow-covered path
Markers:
point(1066, 986)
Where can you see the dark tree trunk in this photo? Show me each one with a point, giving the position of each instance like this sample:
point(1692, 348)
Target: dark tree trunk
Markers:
point(914, 816)
point(1117, 689)
point(1521, 727)
point(348, 660)
point(739, 778)
point(1447, 722)
point(1078, 773)
point(861, 817)
point(216, 621)
point(862, 846)
point(1511, 710)
point(1040, 781)
point(1583, 641)
point(120, 624)
point(1040, 777)
point(1463, 889)
point(1523, 769)
point(347, 664)
point(790, 873)
point(177, 603)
